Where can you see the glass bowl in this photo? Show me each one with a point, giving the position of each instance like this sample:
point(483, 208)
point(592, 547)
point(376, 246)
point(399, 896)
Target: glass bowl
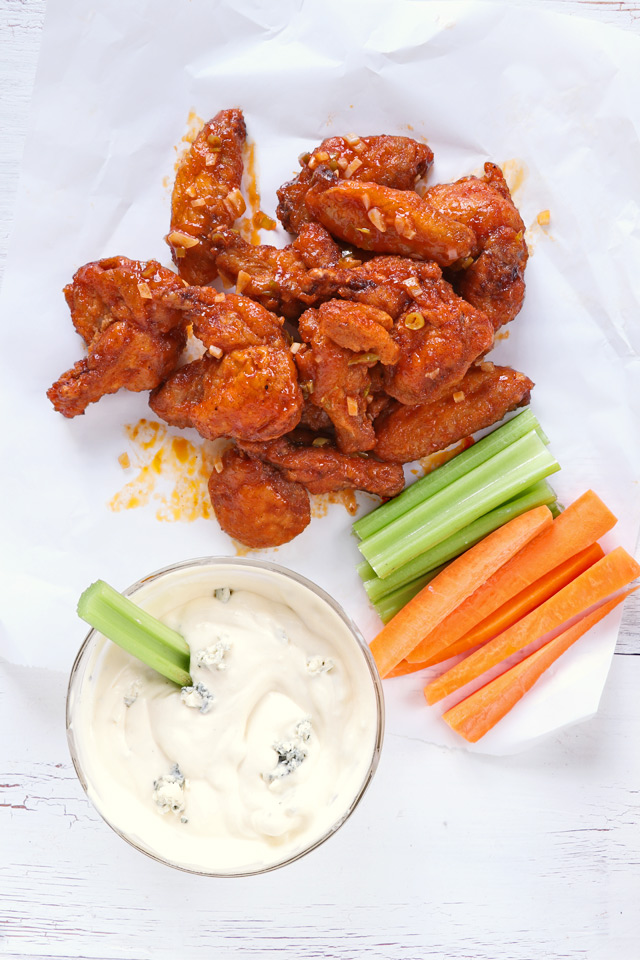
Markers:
point(93, 707)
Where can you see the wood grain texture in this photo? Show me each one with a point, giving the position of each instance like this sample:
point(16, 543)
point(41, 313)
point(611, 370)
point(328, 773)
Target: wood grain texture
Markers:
point(544, 862)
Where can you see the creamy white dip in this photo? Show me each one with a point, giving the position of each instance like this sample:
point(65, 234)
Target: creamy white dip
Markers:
point(262, 756)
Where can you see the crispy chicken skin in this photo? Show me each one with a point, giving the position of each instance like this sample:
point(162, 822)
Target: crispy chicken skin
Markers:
point(278, 278)
point(391, 161)
point(206, 195)
point(386, 220)
point(335, 385)
point(439, 338)
point(323, 469)
point(133, 339)
point(484, 395)
point(251, 394)
point(384, 282)
point(226, 321)
point(494, 281)
point(360, 328)
point(255, 504)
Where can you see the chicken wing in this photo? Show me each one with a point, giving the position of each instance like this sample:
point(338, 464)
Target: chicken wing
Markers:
point(278, 278)
point(206, 195)
point(360, 328)
point(439, 338)
point(323, 469)
point(251, 394)
point(339, 390)
point(386, 220)
point(134, 339)
point(227, 321)
point(484, 395)
point(494, 280)
point(392, 161)
point(255, 504)
point(385, 282)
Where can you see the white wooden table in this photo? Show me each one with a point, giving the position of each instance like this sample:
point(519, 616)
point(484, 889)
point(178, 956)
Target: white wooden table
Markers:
point(535, 856)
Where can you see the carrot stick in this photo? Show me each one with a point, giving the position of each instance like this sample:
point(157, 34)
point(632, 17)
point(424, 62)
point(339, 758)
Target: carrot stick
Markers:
point(525, 601)
point(453, 585)
point(581, 524)
point(596, 584)
point(511, 611)
point(404, 667)
point(478, 713)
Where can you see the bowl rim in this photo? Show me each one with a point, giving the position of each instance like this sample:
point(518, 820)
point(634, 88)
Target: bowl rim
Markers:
point(76, 679)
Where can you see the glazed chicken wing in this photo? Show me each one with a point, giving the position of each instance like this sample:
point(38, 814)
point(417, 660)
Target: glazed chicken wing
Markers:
point(392, 161)
point(360, 328)
point(484, 395)
point(250, 394)
point(386, 220)
point(134, 340)
point(335, 385)
point(323, 469)
point(439, 338)
point(382, 282)
point(226, 321)
point(206, 195)
point(278, 278)
point(494, 280)
point(255, 504)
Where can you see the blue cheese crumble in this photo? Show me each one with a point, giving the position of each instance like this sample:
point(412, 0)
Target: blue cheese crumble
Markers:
point(317, 665)
point(198, 697)
point(168, 793)
point(291, 753)
point(213, 656)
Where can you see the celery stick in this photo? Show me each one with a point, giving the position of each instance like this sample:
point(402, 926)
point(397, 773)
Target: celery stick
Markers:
point(442, 476)
point(389, 605)
point(136, 631)
point(539, 494)
point(500, 478)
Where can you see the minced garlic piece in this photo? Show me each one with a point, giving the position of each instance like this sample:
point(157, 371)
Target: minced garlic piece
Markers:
point(242, 280)
point(179, 239)
point(375, 215)
point(353, 166)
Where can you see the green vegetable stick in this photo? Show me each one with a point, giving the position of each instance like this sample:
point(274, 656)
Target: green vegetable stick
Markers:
point(136, 631)
point(442, 476)
point(500, 478)
point(535, 496)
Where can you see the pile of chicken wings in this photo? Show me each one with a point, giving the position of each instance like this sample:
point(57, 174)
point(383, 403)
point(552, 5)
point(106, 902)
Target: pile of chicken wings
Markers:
point(356, 348)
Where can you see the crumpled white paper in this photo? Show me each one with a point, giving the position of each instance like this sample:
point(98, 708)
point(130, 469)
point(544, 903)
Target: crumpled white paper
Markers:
point(552, 98)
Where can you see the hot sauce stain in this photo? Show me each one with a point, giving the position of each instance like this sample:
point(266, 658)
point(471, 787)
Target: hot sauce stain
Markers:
point(515, 173)
point(443, 456)
point(320, 502)
point(194, 126)
point(169, 472)
point(248, 229)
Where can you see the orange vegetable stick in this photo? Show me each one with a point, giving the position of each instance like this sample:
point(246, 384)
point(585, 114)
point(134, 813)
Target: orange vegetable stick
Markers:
point(525, 601)
point(477, 714)
point(511, 611)
point(581, 524)
point(453, 585)
point(507, 614)
point(404, 667)
point(596, 584)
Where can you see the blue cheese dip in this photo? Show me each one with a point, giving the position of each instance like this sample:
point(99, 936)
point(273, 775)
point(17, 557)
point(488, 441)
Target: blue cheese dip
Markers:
point(268, 749)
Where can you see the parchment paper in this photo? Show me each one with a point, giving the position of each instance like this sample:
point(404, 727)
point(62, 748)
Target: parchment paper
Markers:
point(552, 98)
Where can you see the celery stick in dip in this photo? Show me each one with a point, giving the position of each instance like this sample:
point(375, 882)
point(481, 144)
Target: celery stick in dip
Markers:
point(262, 755)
